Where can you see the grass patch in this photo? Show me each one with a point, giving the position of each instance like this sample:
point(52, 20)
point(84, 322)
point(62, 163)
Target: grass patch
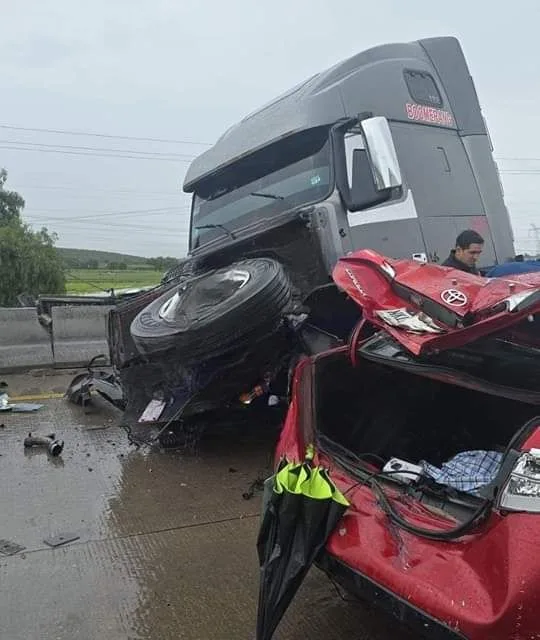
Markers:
point(96, 280)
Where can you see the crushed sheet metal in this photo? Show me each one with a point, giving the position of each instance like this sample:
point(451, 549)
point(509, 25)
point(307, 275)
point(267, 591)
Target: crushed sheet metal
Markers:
point(416, 322)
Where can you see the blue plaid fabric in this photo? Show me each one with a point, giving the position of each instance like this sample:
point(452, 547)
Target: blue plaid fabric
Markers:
point(466, 471)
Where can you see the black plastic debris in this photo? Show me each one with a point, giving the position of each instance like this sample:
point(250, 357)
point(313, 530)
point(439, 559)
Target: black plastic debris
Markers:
point(97, 382)
point(256, 486)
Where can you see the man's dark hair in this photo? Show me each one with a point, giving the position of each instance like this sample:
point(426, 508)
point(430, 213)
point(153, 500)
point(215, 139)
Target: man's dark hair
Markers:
point(468, 237)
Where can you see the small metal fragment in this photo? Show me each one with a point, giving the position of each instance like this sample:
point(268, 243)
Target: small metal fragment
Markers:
point(61, 538)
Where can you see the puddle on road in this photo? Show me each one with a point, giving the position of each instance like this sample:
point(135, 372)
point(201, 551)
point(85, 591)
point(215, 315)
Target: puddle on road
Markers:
point(167, 542)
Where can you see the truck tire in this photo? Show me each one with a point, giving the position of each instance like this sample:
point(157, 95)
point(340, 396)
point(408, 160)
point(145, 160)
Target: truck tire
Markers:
point(215, 312)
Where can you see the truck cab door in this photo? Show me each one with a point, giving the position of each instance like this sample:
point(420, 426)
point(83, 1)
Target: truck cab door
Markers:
point(446, 194)
point(391, 228)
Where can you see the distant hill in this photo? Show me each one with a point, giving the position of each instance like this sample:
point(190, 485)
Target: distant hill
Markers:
point(82, 257)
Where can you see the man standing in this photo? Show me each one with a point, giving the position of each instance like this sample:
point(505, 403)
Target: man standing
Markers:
point(469, 246)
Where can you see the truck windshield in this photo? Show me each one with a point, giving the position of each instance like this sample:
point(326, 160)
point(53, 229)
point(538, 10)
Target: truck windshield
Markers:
point(290, 173)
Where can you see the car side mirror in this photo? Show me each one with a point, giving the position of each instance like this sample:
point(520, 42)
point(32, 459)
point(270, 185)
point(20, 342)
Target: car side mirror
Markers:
point(367, 168)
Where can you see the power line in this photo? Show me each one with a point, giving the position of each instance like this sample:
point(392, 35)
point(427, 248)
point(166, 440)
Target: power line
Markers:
point(521, 202)
point(74, 225)
point(90, 154)
point(118, 227)
point(101, 149)
point(117, 243)
point(156, 243)
point(133, 236)
point(508, 159)
point(103, 135)
point(101, 221)
point(518, 172)
point(108, 212)
point(155, 247)
point(112, 213)
point(88, 198)
point(135, 212)
point(36, 220)
point(97, 190)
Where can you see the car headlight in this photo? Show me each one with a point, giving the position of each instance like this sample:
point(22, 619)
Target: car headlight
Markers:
point(522, 490)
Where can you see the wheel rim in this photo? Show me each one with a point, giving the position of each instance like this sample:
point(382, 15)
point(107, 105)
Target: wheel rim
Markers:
point(210, 292)
point(168, 309)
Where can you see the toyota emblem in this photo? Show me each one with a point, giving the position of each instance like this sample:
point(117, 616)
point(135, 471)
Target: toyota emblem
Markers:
point(454, 297)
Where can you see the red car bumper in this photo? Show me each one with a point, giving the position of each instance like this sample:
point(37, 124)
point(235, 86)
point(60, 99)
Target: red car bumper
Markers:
point(484, 586)
point(366, 589)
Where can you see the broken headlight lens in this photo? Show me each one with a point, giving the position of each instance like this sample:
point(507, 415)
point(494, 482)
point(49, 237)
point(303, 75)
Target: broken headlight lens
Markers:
point(522, 491)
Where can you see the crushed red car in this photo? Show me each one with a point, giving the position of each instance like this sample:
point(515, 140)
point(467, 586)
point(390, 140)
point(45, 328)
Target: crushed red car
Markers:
point(428, 421)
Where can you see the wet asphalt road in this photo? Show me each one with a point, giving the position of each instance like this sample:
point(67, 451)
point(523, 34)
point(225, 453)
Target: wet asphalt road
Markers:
point(167, 542)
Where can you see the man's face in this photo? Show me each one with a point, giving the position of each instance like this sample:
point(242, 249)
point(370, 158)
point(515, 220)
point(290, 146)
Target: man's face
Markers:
point(470, 255)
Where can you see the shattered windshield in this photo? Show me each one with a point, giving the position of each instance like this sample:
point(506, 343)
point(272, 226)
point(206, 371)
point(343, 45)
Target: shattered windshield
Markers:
point(292, 172)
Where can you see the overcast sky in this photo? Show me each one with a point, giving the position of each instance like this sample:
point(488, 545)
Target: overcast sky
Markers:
point(184, 70)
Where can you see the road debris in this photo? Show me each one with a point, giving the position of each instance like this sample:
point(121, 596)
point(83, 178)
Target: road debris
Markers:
point(60, 539)
point(15, 407)
point(54, 446)
point(23, 407)
point(256, 486)
point(9, 548)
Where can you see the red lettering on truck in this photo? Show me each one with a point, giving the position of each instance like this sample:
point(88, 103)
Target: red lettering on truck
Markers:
point(421, 113)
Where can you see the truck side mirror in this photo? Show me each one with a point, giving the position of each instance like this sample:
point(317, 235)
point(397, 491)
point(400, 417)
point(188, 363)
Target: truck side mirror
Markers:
point(382, 153)
point(369, 167)
point(362, 186)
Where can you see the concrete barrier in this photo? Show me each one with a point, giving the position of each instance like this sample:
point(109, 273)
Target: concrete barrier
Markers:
point(79, 333)
point(24, 343)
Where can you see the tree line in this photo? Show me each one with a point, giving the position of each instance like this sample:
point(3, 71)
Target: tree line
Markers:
point(29, 261)
point(157, 264)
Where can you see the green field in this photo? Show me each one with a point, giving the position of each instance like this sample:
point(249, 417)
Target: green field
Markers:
point(96, 280)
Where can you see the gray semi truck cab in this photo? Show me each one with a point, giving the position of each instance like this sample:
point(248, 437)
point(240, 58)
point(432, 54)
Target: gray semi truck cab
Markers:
point(387, 150)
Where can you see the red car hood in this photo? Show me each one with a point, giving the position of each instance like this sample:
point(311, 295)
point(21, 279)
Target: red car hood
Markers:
point(427, 307)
